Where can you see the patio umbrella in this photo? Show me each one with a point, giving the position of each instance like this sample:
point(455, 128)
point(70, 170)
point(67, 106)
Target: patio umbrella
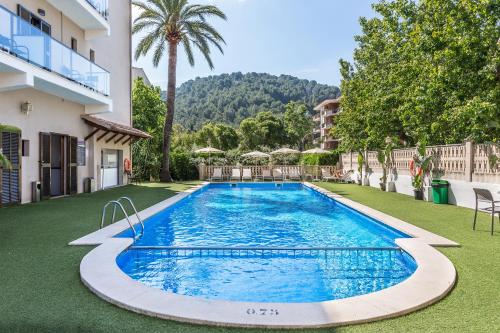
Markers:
point(285, 151)
point(316, 151)
point(209, 150)
point(256, 154)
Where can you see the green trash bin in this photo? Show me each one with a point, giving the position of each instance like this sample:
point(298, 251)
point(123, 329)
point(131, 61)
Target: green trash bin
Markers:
point(440, 191)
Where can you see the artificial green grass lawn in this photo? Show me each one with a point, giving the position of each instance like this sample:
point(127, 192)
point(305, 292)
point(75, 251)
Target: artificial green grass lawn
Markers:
point(40, 288)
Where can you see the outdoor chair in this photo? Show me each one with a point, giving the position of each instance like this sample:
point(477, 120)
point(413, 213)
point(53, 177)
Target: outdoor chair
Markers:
point(266, 175)
point(345, 177)
point(278, 175)
point(327, 176)
point(295, 175)
point(247, 175)
point(236, 175)
point(133, 178)
point(485, 196)
point(216, 175)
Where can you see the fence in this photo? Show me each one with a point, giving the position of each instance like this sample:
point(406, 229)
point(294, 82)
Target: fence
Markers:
point(467, 162)
point(206, 171)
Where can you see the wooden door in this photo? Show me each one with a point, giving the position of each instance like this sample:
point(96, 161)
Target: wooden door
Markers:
point(45, 166)
point(71, 165)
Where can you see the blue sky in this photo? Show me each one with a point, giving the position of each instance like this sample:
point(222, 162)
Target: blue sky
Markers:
point(303, 38)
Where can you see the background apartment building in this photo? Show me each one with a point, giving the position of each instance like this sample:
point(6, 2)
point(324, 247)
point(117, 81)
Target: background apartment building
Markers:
point(324, 121)
point(65, 95)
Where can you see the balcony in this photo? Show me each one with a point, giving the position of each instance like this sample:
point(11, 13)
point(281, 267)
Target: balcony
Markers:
point(29, 58)
point(316, 118)
point(330, 139)
point(90, 15)
point(329, 113)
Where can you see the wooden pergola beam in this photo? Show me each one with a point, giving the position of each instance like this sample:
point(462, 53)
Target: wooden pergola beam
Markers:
point(91, 134)
point(111, 137)
point(127, 140)
point(102, 136)
point(120, 138)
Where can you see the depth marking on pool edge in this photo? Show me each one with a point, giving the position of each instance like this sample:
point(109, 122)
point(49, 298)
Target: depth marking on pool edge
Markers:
point(262, 312)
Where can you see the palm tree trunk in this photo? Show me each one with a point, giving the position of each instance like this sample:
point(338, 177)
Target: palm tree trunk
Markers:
point(169, 119)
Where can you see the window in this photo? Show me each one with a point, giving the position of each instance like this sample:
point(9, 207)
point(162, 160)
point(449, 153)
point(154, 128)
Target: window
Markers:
point(25, 145)
point(74, 44)
point(92, 55)
point(81, 153)
point(33, 19)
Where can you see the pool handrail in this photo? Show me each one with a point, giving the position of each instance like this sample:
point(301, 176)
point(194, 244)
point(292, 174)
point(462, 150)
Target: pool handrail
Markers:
point(117, 203)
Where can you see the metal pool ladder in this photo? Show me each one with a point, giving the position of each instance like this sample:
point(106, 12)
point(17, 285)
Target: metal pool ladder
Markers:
point(118, 203)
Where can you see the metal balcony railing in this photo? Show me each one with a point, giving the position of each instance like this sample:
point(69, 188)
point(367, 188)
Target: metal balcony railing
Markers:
point(29, 43)
point(101, 6)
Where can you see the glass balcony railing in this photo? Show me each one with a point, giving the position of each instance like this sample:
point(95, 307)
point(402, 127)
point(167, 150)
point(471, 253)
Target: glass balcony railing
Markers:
point(101, 6)
point(27, 42)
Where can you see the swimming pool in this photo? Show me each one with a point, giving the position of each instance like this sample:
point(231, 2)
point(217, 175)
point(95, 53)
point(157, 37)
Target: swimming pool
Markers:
point(265, 242)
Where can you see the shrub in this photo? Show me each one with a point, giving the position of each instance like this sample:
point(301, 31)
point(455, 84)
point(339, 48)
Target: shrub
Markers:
point(183, 166)
point(320, 159)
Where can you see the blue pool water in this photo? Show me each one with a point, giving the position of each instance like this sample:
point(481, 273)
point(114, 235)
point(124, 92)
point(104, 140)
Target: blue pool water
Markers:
point(266, 215)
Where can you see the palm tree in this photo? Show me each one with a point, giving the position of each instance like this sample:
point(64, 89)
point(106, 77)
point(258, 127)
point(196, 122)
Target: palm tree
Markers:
point(169, 23)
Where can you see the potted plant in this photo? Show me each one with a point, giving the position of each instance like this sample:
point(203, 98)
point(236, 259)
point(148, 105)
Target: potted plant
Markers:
point(419, 168)
point(417, 184)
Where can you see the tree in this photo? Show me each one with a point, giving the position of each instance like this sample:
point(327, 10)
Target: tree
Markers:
point(169, 23)
point(217, 135)
point(182, 139)
point(298, 124)
point(230, 98)
point(148, 115)
point(423, 71)
point(271, 129)
point(250, 136)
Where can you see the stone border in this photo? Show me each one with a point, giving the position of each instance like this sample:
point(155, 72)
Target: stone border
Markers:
point(434, 277)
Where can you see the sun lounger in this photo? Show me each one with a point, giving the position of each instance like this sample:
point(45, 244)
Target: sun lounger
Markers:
point(327, 176)
point(295, 175)
point(216, 175)
point(236, 175)
point(278, 174)
point(346, 177)
point(247, 175)
point(266, 175)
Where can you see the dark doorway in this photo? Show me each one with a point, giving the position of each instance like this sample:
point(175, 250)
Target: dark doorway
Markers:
point(58, 171)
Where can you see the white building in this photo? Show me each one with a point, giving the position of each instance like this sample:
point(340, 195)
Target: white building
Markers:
point(137, 73)
point(65, 95)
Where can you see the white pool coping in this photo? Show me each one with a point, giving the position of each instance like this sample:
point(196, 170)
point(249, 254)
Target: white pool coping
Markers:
point(434, 277)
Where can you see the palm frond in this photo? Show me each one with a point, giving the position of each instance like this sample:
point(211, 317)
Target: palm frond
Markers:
point(177, 21)
point(159, 51)
point(187, 48)
point(4, 162)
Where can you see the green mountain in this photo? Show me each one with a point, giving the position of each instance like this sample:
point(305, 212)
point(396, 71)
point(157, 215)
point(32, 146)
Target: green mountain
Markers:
point(230, 98)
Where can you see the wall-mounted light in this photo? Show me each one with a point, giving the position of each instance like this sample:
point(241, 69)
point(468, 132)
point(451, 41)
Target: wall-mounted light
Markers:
point(26, 108)
point(41, 12)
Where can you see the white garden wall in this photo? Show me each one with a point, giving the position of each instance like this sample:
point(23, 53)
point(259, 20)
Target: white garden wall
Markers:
point(465, 166)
